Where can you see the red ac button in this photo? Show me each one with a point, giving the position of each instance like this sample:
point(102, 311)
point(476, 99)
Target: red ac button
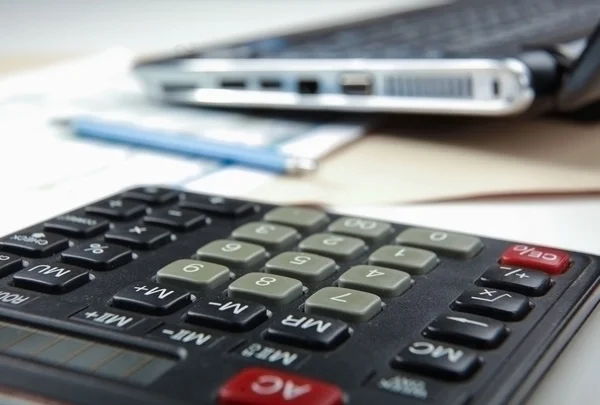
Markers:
point(262, 386)
point(551, 261)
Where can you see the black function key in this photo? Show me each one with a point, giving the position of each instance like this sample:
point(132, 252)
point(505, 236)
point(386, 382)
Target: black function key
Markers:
point(308, 331)
point(497, 304)
point(139, 236)
point(152, 195)
point(218, 205)
point(517, 279)
point(229, 315)
point(177, 219)
point(151, 298)
point(97, 255)
point(52, 278)
point(77, 225)
point(438, 360)
point(34, 244)
point(117, 208)
point(468, 330)
point(9, 263)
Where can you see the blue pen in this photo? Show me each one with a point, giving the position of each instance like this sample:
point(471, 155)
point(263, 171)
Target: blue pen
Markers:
point(265, 159)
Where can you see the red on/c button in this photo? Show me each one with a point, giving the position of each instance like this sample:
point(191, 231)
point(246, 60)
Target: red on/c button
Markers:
point(551, 261)
point(263, 386)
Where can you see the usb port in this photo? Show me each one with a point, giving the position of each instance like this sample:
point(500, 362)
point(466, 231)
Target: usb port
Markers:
point(356, 84)
point(233, 84)
point(270, 84)
point(308, 86)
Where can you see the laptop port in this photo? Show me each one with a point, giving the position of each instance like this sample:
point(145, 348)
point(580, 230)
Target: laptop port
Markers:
point(308, 86)
point(356, 84)
point(233, 84)
point(270, 84)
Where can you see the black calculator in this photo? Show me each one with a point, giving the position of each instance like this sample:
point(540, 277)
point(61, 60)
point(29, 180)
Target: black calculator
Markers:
point(157, 295)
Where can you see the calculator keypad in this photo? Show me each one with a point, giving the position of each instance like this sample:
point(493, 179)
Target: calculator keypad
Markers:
point(239, 284)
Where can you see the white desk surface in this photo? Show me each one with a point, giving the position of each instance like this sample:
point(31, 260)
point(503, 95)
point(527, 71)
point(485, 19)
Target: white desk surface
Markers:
point(67, 27)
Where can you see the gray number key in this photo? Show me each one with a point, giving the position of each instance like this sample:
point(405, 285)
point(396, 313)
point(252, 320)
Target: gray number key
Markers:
point(335, 246)
point(382, 281)
point(344, 304)
point(193, 274)
point(267, 289)
point(232, 253)
point(270, 235)
point(303, 266)
point(411, 260)
point(447, 243)
point(304, 219)
point(367, 229)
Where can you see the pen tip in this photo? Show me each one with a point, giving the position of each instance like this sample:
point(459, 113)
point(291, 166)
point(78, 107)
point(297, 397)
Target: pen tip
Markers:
point(297, 165)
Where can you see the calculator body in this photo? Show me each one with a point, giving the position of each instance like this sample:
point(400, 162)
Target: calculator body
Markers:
point(71, 345)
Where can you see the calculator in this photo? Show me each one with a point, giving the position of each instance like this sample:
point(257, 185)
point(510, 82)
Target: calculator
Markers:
point(156, 295)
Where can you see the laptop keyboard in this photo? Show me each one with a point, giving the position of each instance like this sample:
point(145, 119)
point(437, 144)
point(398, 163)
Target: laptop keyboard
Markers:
point(454, 29)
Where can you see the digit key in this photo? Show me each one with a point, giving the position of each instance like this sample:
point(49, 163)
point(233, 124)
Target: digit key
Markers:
point(411, 260)
point(97, 255)
point(344, 304)
point(306, 267)
point(267, 289)
point(366, 229)
point(272, 236)
point(232, 253)
point(304, 219)
point(445, 243)
point(381, 281)
point(193, 274)
point(335, 246)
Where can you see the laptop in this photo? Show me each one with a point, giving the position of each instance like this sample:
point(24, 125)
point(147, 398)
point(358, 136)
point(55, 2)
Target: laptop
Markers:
point(470, 57)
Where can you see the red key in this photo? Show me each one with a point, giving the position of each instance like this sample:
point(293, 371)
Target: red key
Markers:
point(263, 386)
point(552, 261)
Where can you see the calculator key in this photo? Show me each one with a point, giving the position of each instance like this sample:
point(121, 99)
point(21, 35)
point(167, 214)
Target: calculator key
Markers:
point(467, 330)
point(185, 336)
point(97, 255)
point(34, 244)
point(218, 205)
point(551, 261)
point(304, 219)
point(9, 263)
point(272, 236)
point(139, 236)
point(103, 318)
point(267, 289)
point(497, 304)
point(152, 195)
point(386, 283)
point(232, 253)
point(77, 225)
point(344, 304)
point(229, 315)
point(177, 219)
point(52, 278)
point(151, 298)
point(264, 386)
point(366, 229)
point(446, 243)
point(117, 208)
point(306, 267)
point(312, 332)
point(411, 260)
point(517, 279)
point(335, 246)
point(438, 360)
point(193, 274)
